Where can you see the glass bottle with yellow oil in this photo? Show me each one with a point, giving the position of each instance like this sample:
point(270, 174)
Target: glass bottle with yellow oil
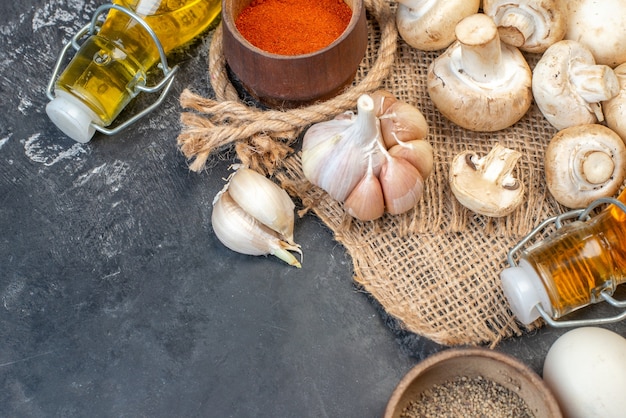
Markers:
point(580, 263)
point(113, 58)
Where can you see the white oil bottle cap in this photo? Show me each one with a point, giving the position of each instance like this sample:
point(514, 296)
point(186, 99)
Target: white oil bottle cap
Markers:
point(524, 290)
point(72, 116)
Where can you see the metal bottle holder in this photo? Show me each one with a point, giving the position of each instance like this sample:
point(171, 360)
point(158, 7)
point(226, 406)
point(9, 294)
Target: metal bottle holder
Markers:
point(91, 29)
point(579, 215)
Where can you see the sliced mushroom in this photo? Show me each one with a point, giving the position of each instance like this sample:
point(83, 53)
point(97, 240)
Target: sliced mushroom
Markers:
point(486, 185)
point(615, 109)
point(530, 25)
point(480, 83)
point(428, 25)
point(584, 163)
point(568, 86)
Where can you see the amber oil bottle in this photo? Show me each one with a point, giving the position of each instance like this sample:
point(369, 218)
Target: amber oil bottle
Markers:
point(571, 268)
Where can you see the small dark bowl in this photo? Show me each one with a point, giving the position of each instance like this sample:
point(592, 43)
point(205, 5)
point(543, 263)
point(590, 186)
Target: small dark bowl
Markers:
point(289, 81)
point(474, 362)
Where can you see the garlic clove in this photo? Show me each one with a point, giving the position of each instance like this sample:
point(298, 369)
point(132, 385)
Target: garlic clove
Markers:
point(264, 200)
point(419, 153)
point(402, 185)
point(366, 202)
point(382, 100)
point(242, 233)
point(402, 122)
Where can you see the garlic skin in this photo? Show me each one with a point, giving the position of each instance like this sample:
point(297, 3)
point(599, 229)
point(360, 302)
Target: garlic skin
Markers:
point(332, 151)
point(242, 233)
point(348, 157)
point(402, 185)
point(418, 152)
point(264, 200)
point(382, 100)
point(402, 122)
point(366, 202)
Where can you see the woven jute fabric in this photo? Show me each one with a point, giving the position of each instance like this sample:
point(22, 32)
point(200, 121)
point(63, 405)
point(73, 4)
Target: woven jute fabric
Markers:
point(436, 268)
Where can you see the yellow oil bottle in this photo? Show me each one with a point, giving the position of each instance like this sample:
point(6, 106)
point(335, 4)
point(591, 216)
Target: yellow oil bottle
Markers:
point(111, 65)
point(577, 265)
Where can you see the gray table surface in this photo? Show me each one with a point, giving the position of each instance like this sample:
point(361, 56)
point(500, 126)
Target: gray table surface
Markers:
point(117, 299)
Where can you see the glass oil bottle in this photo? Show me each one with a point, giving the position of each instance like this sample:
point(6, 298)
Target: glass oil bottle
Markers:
point(580, 263)
point(110, 66)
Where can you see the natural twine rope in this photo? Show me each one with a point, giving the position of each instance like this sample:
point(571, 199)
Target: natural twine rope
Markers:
point(435, 268)
point(228, 120)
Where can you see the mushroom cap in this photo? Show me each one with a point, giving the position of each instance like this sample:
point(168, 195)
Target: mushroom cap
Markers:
point(601, 27)
point(553, 90)
point(530, 25)
point(615, 109)
point(483, 106)
point(485, 185)
point(429, 25)
point(584, 163)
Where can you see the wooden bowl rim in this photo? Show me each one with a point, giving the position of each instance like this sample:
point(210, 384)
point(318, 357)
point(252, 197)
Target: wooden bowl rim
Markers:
point(442, 357)
point(229, 20)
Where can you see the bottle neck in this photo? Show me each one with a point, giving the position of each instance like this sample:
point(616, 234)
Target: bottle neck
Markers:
point(174, 26)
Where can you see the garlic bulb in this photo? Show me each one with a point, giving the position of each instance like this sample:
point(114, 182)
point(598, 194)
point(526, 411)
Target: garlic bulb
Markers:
point(334, 155)
point(254, 216)
point(348, 157)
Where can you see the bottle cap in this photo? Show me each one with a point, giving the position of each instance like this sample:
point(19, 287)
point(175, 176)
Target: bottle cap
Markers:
point(71, 116)
point(524, 290)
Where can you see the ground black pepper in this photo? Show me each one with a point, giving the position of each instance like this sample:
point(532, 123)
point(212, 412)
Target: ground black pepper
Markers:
point(468, 397)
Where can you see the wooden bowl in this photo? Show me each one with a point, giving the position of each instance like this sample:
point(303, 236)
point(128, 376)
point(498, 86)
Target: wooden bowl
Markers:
point(450, 364)
point(283, 81)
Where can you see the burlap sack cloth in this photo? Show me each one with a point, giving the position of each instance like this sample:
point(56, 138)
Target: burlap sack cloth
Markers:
point(434, 269)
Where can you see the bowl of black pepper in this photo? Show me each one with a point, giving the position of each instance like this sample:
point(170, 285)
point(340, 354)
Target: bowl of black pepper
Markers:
point(294, 53)
point(471, 382)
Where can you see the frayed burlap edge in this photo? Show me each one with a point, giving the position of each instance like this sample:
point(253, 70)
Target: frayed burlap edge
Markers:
point(435, 268)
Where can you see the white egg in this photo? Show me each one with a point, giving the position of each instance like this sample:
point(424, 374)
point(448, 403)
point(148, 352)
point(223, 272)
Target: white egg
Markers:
point(586, 370)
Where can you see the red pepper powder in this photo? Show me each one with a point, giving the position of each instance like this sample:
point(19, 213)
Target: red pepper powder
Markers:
point(293, 27)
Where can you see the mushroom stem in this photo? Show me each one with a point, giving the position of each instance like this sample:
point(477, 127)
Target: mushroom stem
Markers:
point(481, 53)
point(584, 163)
point(597, 167)
point(498, 165)
point(515, 27)
point(486, 185)
point(594, 83)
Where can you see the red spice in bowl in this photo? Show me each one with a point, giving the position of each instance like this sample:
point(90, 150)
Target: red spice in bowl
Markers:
point(289, 81)
point(293, 27)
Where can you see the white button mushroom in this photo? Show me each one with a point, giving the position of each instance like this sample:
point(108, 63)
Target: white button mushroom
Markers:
point(480, 83)
point(428, 25)
point(601, 27)
point(568, 85)
point(486, 185)
point(615, 108)
point(530, 25)
point(584, 163)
